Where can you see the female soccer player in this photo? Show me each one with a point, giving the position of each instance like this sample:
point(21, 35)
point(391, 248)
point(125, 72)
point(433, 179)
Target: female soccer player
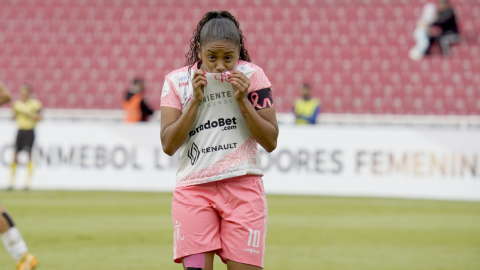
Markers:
point(217, 110)
point(11, 237)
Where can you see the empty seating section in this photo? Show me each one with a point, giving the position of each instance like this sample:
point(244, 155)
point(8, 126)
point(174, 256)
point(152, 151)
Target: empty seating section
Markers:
point(83, 53)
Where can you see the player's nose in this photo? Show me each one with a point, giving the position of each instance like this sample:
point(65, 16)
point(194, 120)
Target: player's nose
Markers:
point(221, 68)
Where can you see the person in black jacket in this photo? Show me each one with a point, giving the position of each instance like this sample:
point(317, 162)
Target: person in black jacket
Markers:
point(447, 22)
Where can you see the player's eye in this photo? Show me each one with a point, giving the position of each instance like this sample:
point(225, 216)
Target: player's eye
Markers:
point(211, 57)
point(228, 58)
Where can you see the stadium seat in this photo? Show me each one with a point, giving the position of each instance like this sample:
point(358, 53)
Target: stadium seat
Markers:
point(354, 53)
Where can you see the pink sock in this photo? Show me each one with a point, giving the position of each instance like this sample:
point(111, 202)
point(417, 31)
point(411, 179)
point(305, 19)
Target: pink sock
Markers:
point(195, 261)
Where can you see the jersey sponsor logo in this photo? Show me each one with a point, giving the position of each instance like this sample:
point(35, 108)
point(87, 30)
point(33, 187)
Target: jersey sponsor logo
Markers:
point(251, 250)
point(219, 147)
point(223, 77)
point(176, 233)
point(228, 124)
point(193, 154)
point(183, 81)
point(215, 96)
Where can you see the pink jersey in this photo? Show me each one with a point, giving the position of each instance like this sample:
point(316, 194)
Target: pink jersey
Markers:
point(219, 145)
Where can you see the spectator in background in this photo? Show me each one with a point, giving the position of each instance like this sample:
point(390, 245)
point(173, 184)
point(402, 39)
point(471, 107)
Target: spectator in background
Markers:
point(421, 33)
point(26, 114)
point(447, 22)
point(134, 105)
point(306, 108)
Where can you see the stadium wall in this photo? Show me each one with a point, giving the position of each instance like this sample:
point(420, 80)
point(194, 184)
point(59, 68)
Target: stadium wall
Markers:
point(435, 121)
point(312, 160)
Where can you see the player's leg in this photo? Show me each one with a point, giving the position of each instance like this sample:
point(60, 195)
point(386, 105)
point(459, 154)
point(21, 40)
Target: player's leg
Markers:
point(422, 42)
point(446, 42)
point(194, 262)
point(29, 140)
point(13, 168)
point(243, 228)
point(5, 223)
point(432, 41)
point(13, 241)
point(231, 265)
point(30, 167)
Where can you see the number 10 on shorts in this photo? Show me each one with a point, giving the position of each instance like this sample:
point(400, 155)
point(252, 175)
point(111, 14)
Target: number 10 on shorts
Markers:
point(256, 238)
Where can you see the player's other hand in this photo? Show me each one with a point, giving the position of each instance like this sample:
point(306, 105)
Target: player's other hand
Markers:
point(240, 84)
point(199, 82)
point(35, 117)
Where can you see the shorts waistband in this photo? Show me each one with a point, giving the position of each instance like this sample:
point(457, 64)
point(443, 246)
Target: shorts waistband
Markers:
point(240, 178)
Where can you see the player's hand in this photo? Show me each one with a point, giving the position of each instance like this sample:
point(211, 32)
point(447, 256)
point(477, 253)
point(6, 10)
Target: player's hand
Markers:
point(199, 82)
point(240, 84)
point(36, 117)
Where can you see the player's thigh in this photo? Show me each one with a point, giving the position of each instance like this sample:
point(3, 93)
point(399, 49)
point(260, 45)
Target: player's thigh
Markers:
point(231, 265)
point(4, 223)
point(196, 223)
point(208, 261)
point(193, 215)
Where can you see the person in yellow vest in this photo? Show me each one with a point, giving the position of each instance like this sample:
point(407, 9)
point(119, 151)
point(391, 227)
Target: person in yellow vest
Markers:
point(26, 114)
point(10, 235)
point(136, 109)
point(306, 108)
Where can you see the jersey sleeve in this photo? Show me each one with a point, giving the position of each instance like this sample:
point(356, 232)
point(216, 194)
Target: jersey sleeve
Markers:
point(170, 97)
point(260, 91)
point(258, 80)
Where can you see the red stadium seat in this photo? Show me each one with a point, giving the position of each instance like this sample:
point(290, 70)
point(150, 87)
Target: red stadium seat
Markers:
point(354, 53)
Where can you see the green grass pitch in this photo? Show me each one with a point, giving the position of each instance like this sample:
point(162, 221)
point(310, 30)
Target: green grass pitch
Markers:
point(123, 230)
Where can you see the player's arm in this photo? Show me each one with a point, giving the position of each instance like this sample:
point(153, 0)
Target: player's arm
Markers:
point(4, 94)
point(262, 124)
point(176, 125)
point(36, 116)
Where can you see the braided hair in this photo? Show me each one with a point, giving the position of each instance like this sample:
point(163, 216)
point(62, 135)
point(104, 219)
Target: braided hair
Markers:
point(216, 26)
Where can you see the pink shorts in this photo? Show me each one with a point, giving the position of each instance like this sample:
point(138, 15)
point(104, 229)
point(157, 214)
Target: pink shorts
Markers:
point(228, 217)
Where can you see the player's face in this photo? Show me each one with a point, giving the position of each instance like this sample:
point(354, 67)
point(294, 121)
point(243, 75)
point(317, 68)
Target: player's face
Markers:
point(24, 93)
point(305, 92)
point(139, 86)
point(218, 56)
